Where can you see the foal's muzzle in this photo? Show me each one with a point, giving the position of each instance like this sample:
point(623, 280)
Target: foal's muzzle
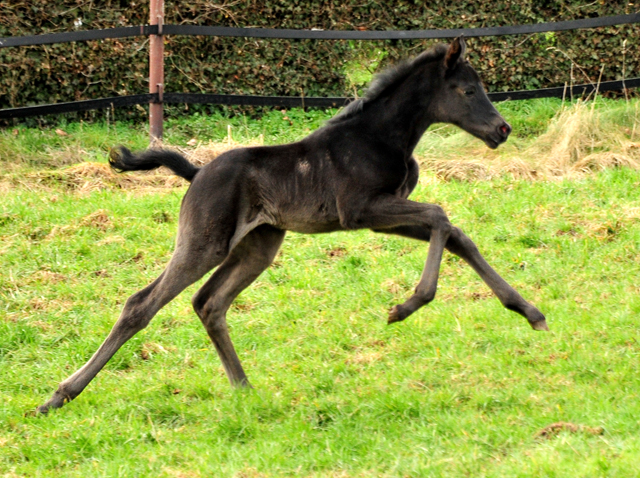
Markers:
point(498, 136)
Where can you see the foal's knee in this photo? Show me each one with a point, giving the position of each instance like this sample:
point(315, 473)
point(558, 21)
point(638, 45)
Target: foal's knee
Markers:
point(460, 244)
point(440, 221)
point(198, 302)
point(205, 307)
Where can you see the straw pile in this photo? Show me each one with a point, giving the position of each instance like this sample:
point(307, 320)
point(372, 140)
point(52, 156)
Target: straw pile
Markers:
point(91, 176)
point(579, 140)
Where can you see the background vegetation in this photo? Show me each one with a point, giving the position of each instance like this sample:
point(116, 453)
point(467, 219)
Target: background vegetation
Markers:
point(67, 72)
point(462, 388)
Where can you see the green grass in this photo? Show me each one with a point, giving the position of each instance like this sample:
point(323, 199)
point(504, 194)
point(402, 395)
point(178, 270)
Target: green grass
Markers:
point(67, 143)
point(459, 389)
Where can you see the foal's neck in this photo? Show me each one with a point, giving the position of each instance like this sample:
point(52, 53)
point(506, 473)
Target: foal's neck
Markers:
point(401, 119)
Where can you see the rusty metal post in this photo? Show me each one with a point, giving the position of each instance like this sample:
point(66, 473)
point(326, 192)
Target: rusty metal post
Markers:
point(156, 70)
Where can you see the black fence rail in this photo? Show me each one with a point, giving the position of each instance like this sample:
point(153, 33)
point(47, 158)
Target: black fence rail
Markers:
point(289, 102)
point(575, 91)
point(146, 30)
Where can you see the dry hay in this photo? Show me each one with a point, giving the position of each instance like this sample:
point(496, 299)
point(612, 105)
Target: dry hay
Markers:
point(479, 169)
point(205, 153)
point(581, 139)
point(578, 141)
point(90, 176)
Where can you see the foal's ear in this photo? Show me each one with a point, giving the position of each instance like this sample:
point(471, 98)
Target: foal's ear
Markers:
point(456, 50)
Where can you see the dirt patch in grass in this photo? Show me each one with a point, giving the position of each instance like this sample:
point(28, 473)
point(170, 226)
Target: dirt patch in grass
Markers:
point(48, 277)
point(98, 219)
point(364, 357)
point(550, 431)
point(337, 252)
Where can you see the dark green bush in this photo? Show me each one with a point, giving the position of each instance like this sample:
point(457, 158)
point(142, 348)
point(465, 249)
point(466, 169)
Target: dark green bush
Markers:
point(84, 70)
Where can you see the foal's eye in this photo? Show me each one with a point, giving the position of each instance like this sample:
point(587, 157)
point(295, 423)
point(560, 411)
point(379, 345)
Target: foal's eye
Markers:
point(470, 91)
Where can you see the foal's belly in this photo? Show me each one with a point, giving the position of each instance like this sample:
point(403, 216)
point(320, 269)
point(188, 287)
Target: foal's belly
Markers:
point(302, 204)
point(310, 224)
point(308, 228)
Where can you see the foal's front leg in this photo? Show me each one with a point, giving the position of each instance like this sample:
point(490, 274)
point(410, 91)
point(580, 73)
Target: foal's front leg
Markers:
point(461, 245)
point(425, 291)
point(392, 211)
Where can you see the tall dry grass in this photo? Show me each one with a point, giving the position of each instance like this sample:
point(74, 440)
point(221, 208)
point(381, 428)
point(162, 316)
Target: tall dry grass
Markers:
point(580, 139)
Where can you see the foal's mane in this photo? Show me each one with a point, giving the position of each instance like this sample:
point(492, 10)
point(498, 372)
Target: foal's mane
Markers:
point(388, 80)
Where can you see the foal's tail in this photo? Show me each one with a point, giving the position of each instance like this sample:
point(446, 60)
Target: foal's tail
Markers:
point(121, 159)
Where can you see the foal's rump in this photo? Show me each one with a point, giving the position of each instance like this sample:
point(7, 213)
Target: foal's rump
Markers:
point(219, 208)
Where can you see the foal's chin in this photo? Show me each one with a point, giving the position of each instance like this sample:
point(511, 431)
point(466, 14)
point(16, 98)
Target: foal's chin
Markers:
point(492, 140)
point(493, 143)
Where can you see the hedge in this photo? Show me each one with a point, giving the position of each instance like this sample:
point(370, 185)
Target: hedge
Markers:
point(75, 71)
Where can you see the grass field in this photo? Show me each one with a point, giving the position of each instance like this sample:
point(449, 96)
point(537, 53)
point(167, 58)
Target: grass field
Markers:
point(462, 388)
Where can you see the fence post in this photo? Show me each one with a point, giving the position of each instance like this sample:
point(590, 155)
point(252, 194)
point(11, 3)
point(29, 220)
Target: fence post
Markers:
point(156, 70)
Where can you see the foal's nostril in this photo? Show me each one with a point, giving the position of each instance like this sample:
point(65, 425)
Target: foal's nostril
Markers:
point(504, 129)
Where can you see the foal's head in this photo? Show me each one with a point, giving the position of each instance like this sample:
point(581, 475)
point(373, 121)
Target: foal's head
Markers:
point(463, 101)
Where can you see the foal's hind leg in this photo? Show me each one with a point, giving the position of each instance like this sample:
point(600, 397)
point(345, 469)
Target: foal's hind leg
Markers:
point(183, 270)
point(243, 265)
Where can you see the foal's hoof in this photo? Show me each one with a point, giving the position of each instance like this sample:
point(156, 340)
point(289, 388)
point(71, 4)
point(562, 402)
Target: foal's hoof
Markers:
point(57, 401)
point(242, 384)
point(41, 410)
point(540, 325)
point(397, 314)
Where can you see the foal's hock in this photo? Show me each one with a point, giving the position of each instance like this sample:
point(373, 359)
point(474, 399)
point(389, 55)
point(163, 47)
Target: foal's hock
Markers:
point(355, 172)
